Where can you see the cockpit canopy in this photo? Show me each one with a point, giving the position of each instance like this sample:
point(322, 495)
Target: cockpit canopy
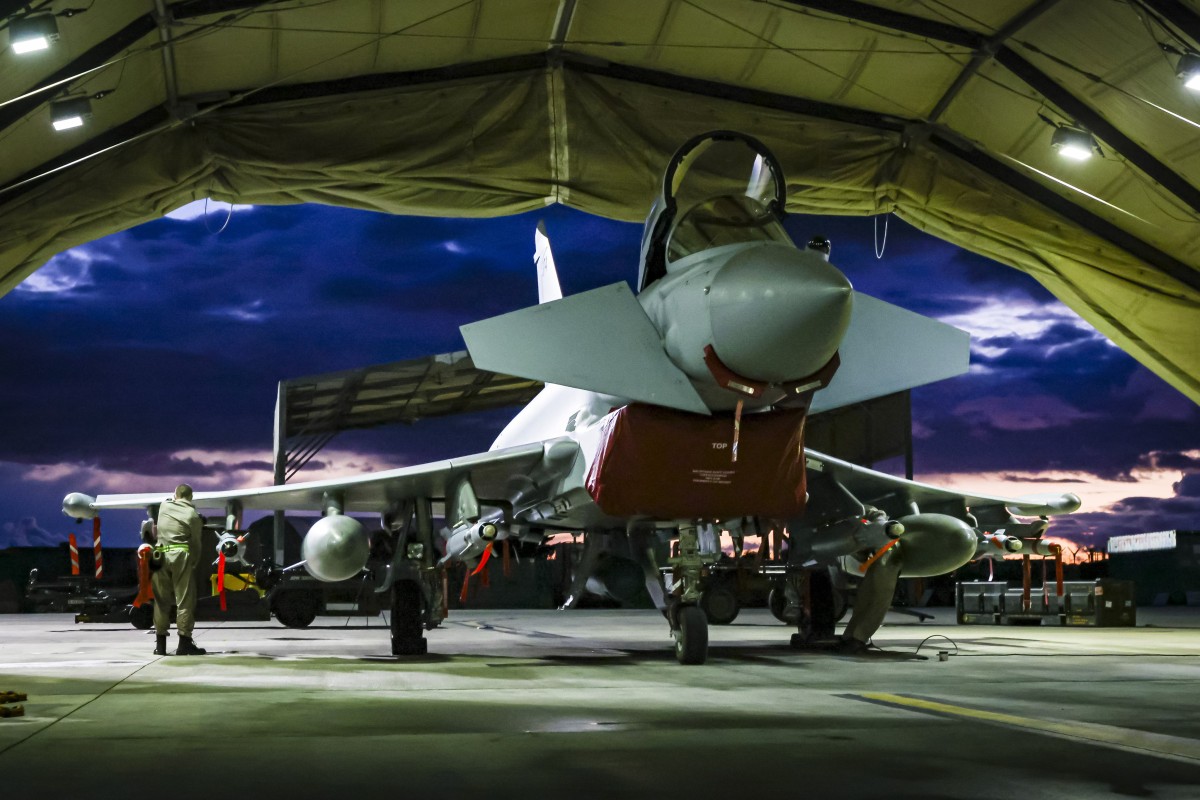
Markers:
point(728, 219)
point(719, 188)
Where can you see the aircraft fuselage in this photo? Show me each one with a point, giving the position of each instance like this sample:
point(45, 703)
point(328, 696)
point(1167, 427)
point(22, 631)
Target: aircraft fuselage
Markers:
point(772, 314)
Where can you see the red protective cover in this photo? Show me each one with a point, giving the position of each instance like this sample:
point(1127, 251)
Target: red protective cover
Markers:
point(674, 465)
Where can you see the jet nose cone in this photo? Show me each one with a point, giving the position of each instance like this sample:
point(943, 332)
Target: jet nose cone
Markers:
point(777, 313)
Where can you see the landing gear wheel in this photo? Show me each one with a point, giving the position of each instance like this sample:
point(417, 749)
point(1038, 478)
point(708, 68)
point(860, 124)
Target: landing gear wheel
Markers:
point(691, 636)
point(840, 605)
point(408, 638)
point(720, 604)
point(142, 617)
point(297, 608)
point(777, 600)
point(821, 607)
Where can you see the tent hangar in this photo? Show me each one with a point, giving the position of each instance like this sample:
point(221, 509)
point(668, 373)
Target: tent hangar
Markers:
point(952, 114)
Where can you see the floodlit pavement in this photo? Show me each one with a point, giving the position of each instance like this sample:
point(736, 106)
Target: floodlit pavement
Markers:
point(592, 704)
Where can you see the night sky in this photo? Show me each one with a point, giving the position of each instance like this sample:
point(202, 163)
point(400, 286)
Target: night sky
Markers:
point(151, 357)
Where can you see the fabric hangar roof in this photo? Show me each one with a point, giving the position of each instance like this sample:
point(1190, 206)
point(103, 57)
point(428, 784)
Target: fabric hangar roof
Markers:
point(940, 111)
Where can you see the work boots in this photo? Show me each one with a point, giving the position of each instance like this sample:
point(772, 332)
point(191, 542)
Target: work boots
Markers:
point(160, 644)
point(188, 648)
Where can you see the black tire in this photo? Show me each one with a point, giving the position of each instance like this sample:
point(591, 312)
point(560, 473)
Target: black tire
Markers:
point(691, 637)
point(297, 608)
point(142, 617)
point(720, 604)
point(777, 601)
point(821, 605)
point(408, 637)
point(840, 604)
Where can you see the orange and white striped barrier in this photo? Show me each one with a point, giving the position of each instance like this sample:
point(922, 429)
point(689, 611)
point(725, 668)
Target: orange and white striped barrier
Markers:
point(96, 548)
point(74, 555)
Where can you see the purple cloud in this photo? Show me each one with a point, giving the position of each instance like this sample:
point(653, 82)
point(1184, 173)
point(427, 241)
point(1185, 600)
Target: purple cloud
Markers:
point(170, 339)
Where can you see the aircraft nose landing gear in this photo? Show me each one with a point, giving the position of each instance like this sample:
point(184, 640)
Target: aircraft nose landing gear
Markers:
point(689, 624)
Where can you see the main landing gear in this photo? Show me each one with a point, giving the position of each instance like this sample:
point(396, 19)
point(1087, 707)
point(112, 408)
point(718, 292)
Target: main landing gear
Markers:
point(415, 580)
point(408, 637)
point(816, 611)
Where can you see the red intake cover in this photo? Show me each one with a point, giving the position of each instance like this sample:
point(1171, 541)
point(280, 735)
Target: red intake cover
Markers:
point(669, 464)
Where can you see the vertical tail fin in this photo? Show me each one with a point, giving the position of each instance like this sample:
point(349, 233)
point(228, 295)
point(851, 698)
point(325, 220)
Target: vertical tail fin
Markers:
point(547, 275)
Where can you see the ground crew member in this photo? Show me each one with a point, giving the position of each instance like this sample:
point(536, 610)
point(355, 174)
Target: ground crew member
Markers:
point(178, 550)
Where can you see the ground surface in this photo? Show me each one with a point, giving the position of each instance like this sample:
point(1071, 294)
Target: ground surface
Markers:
point(592, 704)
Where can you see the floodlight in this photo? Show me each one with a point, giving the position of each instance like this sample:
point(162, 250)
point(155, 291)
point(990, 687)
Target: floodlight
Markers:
point(1073, 143)
point(1189, 71)
point(69, 113)
point(30, 34)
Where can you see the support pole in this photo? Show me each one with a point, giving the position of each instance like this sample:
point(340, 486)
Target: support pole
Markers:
point(433, 577)
point(1058, 571)
point(908, 437)
point(162, 19)
point(233, 515)
point(280, 459)
point(1026, 582)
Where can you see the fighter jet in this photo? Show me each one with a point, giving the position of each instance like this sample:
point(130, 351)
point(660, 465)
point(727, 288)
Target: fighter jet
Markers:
point(666, 412)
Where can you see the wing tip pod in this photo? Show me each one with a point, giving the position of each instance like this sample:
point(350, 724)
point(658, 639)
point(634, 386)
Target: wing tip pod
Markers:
point(78, 505)
point(1045, 505)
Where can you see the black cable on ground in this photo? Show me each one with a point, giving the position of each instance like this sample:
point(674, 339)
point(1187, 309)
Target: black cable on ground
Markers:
point(936, 636)
point(77, 708)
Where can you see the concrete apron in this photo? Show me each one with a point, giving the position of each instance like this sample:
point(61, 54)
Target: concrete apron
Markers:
point(592, 704)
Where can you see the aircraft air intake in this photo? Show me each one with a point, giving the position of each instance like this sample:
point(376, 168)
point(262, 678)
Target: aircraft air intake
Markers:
point(469, 539)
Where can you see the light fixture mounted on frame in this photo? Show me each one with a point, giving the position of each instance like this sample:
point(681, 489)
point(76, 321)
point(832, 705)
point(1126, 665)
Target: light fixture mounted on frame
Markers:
point(1073, 143)
point(33, 33)
point(1189, 71)
point(70, 113)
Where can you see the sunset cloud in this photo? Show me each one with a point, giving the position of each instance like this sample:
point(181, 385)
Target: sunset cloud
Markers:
point(203, 470)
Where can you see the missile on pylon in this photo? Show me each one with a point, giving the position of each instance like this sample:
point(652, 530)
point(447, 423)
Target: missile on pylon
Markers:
point(232, 546)
point(466, 541)
point(1040, 547)
point(997, 545)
